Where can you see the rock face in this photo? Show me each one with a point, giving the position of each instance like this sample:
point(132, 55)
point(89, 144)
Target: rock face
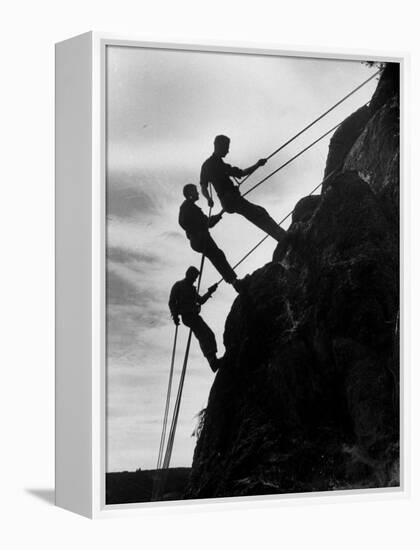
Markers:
point(307, 398)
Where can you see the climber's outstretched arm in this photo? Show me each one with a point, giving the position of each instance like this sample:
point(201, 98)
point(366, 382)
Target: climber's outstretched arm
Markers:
point(251, 169)
point(215, 219)
point(203, 299)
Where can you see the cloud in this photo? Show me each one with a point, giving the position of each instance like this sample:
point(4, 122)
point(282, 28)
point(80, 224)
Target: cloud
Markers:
point(135, 193)
point(175, 235)
point(126, 256)
point(119, 290)
point(131, 202)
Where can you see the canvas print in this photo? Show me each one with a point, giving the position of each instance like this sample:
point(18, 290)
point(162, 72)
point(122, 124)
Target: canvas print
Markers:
point(252, 274)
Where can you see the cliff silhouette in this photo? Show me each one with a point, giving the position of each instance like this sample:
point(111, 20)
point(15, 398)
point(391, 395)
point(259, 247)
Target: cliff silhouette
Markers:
point(307, 397)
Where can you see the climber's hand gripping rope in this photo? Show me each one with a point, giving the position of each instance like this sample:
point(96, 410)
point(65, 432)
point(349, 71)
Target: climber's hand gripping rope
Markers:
point(212, 289)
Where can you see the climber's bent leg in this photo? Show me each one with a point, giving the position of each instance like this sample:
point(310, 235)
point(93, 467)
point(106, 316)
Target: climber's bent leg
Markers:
point(218, 259)
point(206, 245)
point(258, 216)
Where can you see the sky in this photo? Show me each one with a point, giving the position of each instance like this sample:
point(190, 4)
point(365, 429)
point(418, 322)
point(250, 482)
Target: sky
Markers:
point(164, 108)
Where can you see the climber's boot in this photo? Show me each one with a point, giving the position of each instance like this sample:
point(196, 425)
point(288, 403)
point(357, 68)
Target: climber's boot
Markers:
point(238, 285)
point(213, 362)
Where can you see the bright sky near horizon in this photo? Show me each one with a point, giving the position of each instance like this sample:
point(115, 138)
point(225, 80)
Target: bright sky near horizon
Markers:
point(164, 108)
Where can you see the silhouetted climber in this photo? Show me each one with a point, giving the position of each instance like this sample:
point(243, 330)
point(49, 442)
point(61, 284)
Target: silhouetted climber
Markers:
point(217, 172)
point(196, 225)
point(185, 301)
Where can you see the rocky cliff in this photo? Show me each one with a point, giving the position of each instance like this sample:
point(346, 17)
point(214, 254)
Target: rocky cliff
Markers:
point(307, 398)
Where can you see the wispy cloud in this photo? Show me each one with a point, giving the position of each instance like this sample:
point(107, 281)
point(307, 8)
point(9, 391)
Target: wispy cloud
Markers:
point(120, 255)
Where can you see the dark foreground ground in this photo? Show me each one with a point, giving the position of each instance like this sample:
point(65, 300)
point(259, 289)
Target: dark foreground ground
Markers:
point(130, 487)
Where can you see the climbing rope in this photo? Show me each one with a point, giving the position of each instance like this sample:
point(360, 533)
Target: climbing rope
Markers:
point(320, 117)
point(292, 159)
point(161, 482)
point(275, 172)
point(174, 423)
point(158, 487)
point(168, 399)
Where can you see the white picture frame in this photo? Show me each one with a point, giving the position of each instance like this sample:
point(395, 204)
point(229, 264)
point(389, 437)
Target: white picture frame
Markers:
point(80, 274)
